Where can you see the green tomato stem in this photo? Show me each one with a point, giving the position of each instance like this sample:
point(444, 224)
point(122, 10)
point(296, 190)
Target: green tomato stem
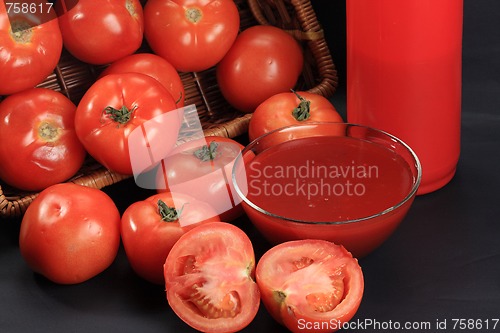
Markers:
point(207, 152)
point(303, 110)
point(168, 214)
point(121, 116)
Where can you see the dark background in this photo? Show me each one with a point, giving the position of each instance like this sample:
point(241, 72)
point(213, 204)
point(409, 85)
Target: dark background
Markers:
point(441, 265)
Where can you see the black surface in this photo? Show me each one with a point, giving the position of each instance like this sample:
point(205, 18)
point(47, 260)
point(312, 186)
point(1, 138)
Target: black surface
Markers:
point(443, 263)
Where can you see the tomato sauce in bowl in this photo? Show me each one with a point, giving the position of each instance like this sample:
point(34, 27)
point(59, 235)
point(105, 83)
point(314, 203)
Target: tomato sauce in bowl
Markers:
point(345, 183)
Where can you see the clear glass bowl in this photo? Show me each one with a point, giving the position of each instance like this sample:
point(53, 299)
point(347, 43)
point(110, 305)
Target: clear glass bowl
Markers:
point(345, 183)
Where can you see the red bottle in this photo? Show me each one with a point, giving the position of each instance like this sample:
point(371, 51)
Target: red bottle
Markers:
point(404, 76)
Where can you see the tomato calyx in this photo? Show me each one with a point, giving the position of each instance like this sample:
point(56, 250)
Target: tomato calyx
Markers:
point(48, 132)
point(168, 214)
point(21, 32)
point(303, 110)
point(121, 116)
point(131, 8)
point(207, 152)
point(193, 15)
point(279, 296)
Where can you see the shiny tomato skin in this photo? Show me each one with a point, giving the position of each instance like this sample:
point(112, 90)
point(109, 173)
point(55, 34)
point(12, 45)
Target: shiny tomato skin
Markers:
point(30, 55)
point(207, 180)
point(148, 236)
point(310, 281)
point(106, 139)
point(209, 278)
point(41, 147)
point(277, 112)
point(100, 32)
point(263, 61)
point(70, 233)
point(154, 66)
point(198, 35)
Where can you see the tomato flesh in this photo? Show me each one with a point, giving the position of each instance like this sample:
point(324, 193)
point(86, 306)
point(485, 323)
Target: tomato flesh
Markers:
point(209, 278)
point(310, 281)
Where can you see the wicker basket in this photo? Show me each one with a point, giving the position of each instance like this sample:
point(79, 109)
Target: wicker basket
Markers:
point(73, 78)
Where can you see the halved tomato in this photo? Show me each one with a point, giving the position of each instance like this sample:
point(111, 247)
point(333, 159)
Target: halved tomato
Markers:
point(310, 285)
point(209, 278)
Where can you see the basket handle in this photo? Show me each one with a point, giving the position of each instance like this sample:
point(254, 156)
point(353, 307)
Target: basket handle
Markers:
point(257, 12)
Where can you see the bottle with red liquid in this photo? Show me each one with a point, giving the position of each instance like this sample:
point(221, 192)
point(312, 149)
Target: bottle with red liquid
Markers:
point(404, 76)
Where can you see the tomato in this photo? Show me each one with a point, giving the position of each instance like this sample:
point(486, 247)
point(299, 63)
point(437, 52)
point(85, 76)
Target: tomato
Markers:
point(154, 66)
point(117, 104)
point(309, 283)
point(291, 108)
point(202, 168)
point(263, 61)
point(40, 143)
point(30, 48)
point(70, 233)
point(100, 32)
point(150, 228)
point(209, 278)
point(198, 33)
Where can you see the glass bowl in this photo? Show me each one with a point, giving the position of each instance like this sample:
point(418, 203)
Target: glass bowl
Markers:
point(346, 183)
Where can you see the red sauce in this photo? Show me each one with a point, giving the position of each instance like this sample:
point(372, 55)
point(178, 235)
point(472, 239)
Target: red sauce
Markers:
point(328, 179)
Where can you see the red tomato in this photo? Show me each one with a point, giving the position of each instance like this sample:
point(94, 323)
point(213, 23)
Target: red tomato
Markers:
point(154, 66)
point(209, 278)
point(290, 108)
point(198, 33)
point(117, 104)
point(41, 147)
point(263, 61)
point(30, 47)
point(202, 168)
point(70, 233)
point(100, 32)
point(151, 227)
point(310, 283)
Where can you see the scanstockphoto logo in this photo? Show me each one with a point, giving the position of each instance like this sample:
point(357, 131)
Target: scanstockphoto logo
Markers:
point(173, 138)
point(310, 179)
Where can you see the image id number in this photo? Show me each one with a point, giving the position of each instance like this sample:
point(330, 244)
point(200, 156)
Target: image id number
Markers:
point(28, 8)
point(475, 324)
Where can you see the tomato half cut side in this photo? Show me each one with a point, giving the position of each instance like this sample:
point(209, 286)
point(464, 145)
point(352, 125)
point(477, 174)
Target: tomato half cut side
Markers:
point(209, 278)
point(310, 285)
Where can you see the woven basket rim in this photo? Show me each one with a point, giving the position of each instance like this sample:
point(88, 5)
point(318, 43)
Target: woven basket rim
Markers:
point(307, 30)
